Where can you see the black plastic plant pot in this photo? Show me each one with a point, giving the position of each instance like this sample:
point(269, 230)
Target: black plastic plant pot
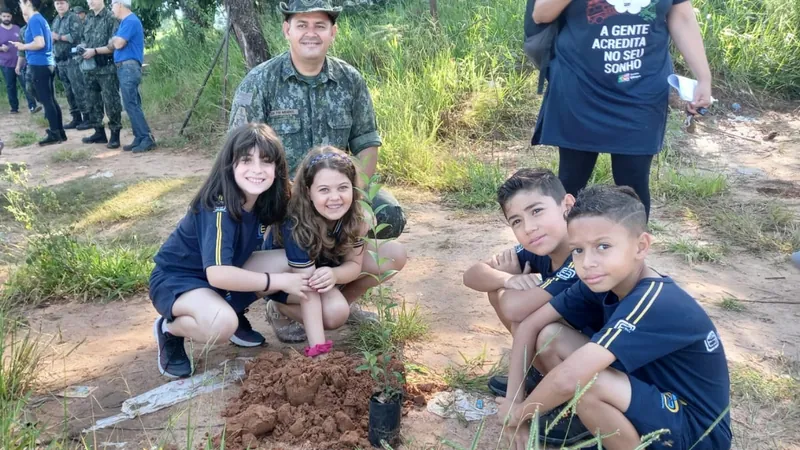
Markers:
point(384, 420)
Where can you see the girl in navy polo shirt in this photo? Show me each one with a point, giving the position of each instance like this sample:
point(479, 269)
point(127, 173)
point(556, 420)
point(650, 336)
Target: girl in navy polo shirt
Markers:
point(608, 89)
point(323, 237)
point(206, 272)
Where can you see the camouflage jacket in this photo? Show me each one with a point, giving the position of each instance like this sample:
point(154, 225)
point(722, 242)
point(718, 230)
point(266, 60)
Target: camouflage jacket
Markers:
point(71, 28)
point(21, 53)
point(97, 30)
point(333, 108)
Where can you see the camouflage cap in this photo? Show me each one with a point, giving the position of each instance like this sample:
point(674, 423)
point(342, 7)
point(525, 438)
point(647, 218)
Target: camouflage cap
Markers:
point(306, 6)
point(78, 9)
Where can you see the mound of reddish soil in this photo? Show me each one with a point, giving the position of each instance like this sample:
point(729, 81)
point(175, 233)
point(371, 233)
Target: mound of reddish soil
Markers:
point(296, 400)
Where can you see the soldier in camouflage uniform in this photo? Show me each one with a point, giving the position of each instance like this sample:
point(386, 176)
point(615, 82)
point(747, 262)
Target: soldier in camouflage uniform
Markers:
point(27, 78)
point(67, 29)
point(102, 86)
point(311, 99)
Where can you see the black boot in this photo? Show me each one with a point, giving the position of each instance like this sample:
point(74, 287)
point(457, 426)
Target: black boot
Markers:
point(99, 137)
point(76, 120)
point(114, 141)
point(51, 138)
point(84, 125)
point(62, 135)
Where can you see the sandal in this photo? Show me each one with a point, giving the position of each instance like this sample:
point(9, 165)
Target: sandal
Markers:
point(286, 330)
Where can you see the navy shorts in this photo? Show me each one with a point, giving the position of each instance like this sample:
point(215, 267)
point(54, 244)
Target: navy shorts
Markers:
point(166, 288)
point(652, 410)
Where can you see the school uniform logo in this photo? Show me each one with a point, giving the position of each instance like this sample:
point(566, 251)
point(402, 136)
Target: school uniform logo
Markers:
point(220, 209)
point(518, 248)
point(670, 402)
point(624, 325)
point(567, 273)
point(712, 341)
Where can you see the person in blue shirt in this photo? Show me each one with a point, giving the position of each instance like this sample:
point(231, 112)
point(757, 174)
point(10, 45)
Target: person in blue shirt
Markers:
point(608, 85)
point(128, 44)
point(657, 357)
point(38, 49)
point(206, 272)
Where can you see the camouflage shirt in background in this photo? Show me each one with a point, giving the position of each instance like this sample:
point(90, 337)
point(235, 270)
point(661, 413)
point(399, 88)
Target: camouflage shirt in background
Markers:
point(97, 30)
point(333, 108)
point(69, 26)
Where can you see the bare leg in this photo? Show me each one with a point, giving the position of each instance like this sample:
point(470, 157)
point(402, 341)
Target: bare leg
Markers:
point(335, 309)
point(602, 406)
point(494, 300)
point(516, 305)
point(203, 316)
point(396, 255)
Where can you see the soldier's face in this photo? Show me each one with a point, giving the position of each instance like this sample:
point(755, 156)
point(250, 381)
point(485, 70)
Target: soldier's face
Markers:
point(309, 35)
point(62, 7)
point(95, 5)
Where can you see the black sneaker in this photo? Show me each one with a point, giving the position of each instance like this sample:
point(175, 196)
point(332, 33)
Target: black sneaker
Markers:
point(498, 384)
point(245, 335)
point(14, 111)
point(567, 432)
point(172, 359)
point(36, 109)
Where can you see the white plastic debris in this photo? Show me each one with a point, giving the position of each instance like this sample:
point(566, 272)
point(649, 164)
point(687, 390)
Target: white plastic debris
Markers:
point(102, 175)
point(175, 392)
point(469, 406)
point(77, 391)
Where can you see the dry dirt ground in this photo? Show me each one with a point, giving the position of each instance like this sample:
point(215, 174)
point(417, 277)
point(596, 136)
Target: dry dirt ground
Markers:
point(110, 346)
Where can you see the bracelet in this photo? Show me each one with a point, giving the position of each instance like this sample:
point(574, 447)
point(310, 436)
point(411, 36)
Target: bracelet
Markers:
point(268, 281)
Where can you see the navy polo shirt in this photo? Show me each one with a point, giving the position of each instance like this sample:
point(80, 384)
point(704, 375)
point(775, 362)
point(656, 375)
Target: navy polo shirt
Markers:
point(297, 253)
point(554, 281)
point(662, 336)
point(130, 29)
point(209, 238)
point(37, 26)
point(608, 87)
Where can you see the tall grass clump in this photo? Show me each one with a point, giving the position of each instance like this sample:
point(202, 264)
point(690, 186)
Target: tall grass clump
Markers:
point(753, 42)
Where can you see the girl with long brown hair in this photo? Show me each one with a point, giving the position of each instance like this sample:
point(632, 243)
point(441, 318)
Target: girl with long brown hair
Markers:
point(323, 237)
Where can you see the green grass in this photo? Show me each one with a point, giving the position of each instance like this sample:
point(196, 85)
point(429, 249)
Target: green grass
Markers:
point(753, 43)
point(694, 252)
point(59, 266)
point(137, 201)
point(480, 187)
point(24, 138)
point(750, 383)
point(472, 373)
point(673, 185)
point(732, 304)
point(756, 226)
point(67, 155)
point(410, 325)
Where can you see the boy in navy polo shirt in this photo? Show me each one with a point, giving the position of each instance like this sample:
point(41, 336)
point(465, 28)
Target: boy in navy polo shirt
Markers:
point(534, 203)
point(658, 358)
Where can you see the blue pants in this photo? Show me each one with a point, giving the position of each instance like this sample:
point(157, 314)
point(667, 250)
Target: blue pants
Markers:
point(11, 88)
point(129, 74)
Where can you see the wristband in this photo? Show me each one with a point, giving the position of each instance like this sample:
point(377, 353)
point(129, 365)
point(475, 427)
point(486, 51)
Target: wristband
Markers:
point(268, 281)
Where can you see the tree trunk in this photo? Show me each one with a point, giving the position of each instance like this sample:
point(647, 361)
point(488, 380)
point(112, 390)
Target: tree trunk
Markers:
point(247, 31)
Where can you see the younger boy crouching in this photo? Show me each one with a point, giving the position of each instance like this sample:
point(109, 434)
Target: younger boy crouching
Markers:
point(534, 203)
point(658, 358)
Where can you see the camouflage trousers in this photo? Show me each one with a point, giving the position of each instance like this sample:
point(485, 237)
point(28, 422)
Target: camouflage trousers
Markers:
point(30, 90)
point(71, 77)
point(102, 91)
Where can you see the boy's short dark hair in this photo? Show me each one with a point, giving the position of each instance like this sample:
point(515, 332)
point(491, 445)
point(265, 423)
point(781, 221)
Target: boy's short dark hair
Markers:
point(620, 204)
point(541, 180)
point(5, 11)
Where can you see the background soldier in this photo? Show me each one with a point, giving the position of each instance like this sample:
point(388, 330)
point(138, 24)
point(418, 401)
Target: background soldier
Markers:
point(67, 29)
point(80, 12)
point(102, 86)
